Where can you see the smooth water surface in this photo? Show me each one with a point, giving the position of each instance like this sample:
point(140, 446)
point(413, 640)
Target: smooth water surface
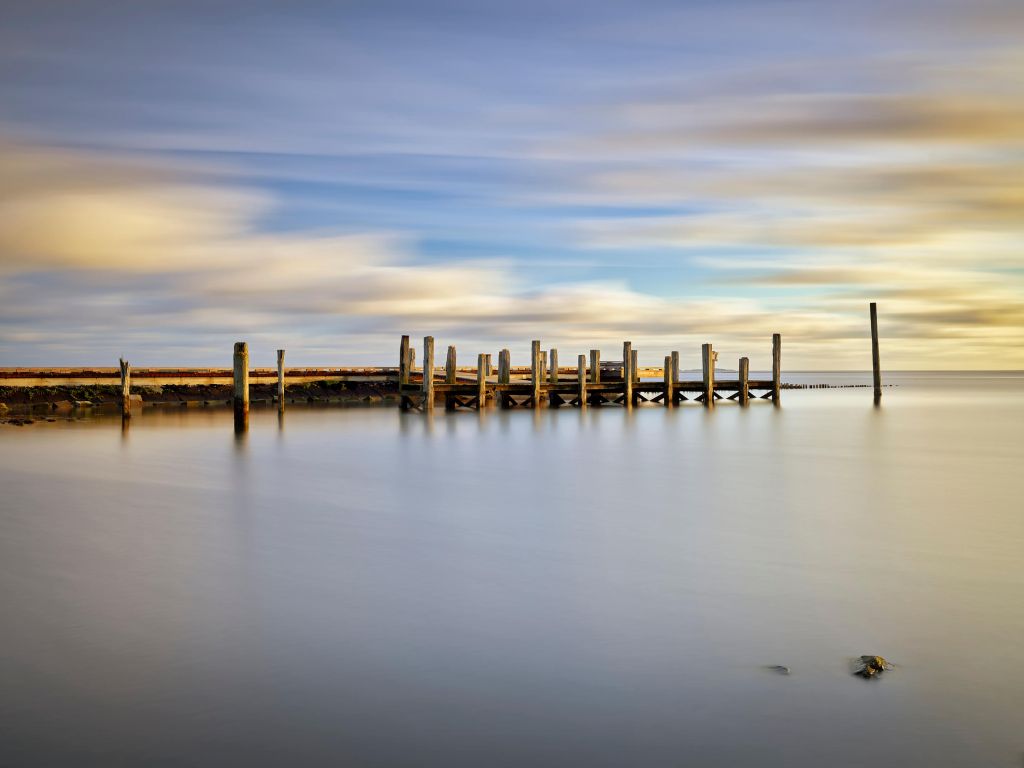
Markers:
point(369, 588)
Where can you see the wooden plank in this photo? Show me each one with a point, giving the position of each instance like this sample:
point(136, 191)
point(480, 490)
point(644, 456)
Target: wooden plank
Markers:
point(876, 365)
point(240, 374)
point(744, 377)
point(428, 373)
point(595, 366)
point(627, 373)
point(776, 366)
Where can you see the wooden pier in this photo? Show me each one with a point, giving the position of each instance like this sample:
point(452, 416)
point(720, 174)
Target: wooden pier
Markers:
point(543, 383)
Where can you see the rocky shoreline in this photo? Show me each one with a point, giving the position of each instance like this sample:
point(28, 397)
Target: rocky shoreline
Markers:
point(18, 403)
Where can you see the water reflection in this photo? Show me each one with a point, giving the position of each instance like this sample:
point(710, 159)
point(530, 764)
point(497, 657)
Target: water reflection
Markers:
point(601, 587)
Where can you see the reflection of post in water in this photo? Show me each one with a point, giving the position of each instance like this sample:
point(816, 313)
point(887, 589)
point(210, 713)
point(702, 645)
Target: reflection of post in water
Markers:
point(241, 392)
point(280, 420)
point(126, 422)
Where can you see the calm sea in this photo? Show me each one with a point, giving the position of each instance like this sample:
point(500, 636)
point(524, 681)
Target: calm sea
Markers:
point(361, 587)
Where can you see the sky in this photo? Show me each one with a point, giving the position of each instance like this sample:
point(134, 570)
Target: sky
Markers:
point(325, 176)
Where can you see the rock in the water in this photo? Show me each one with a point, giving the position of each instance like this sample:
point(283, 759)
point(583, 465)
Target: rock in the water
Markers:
point(870, 666)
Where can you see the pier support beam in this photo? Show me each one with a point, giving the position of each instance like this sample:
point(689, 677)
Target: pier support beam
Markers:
point(776, 367)
point(627, 373)
point(670, 392)
point(280, 379)
point(707, 359)
point(876, 365)
point(504, 375)
point(634, 366)
point(126, 389)
point(535, 372)
point(675, 376)
point(428, 374)
point(581, 380)
point(240, 369)
point(595, 366)
point(481, 382)
point(744, 378)
point(449, 378)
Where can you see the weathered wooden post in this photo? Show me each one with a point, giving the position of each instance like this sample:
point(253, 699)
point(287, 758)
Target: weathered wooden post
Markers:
point(126, 388)
point(490, 368)
point(412, 359)
point(553, 370)
point(595, 366)
point(481, 381)
point(744, 380)
point(876, 365)
point(428, 374)
point(707, 358)
point(280, 379)
point(535, 372)
point(581, 380)
point(240, 370)
point(403, 362)
point(627, 373)
point(634, 365)
point(776, 366)
point(504, 375)
point(675, 376)
point(670, 394)
point(449, 378)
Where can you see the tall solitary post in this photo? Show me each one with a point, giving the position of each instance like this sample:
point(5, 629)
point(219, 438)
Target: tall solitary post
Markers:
point(776, 367)
point(535, 372)
point(280, 379)
point(428, 374)
point(595, 366)
point(707, 359)
point(241, 377)
point(126, 389)
point(744, 379)
point(876, 366)
point(627, 373)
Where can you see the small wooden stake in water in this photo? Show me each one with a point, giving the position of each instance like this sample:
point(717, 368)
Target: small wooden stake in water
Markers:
point(595, 366)
point(744, 379)
point(280, 379)
point(428, 374)
point(776, 366)
point(126, 389)
point(240, 370)
point(876, 365)
point(581, 380)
